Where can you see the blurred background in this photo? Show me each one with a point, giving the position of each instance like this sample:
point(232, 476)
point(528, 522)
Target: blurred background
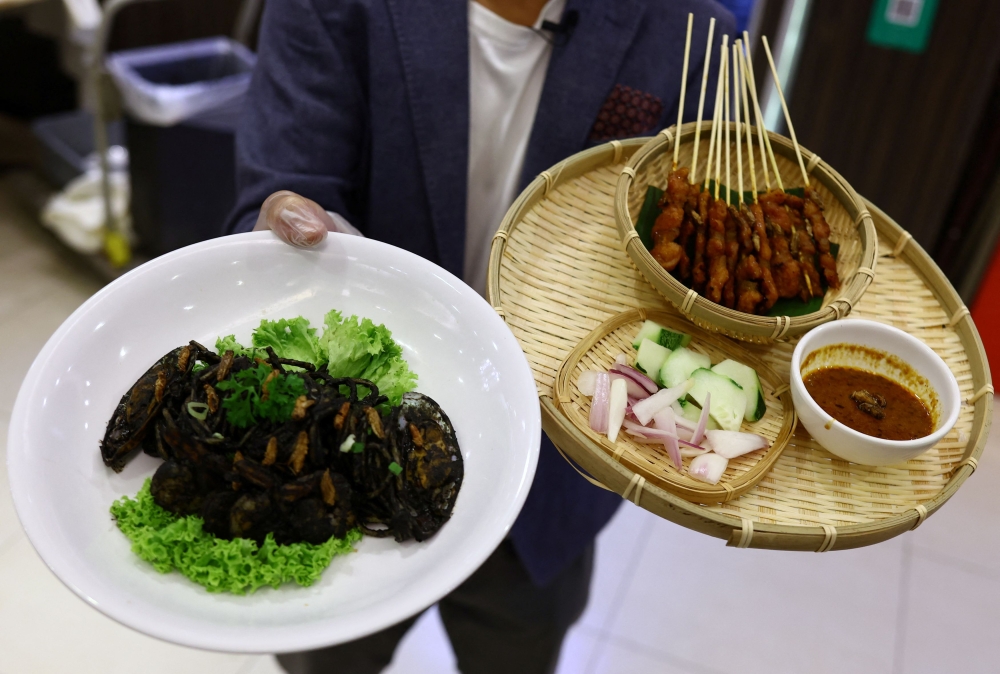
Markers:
point(902, 97)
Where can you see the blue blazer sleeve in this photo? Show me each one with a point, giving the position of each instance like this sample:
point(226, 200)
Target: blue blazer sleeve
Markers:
point(303, 126)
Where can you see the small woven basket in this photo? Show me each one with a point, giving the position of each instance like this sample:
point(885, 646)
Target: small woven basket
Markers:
point(851, 227)
point(613, 337)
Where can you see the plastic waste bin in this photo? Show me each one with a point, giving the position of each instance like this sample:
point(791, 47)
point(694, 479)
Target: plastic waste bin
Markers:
point(67, 144)
point(181, 105)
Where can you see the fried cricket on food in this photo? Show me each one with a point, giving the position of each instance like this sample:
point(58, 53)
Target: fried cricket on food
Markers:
point(718, 270)
point(688, 231)
point(748, 271)
point(803, 247)
point(732, 253)
point(666, 250)
point(698, 276)
point(763, 246)
point(747, 257)
point(813, 211)
point(786, 271)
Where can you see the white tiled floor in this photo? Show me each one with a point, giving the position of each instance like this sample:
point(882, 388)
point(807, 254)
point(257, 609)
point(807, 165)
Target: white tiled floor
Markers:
point(664, 599)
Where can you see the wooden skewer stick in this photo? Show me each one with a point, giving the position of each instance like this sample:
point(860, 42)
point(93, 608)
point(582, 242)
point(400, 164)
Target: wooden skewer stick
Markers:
point(736, 110)
point(701, 101)
point(765, 140)
point(684, 76)
point(784, 108)
point(715, 114)
point(718, 142)
point(729, 173)
point(746, 125)
point(715, 130)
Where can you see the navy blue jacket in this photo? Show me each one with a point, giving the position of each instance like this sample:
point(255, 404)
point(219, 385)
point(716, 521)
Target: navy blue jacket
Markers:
point(363, 106)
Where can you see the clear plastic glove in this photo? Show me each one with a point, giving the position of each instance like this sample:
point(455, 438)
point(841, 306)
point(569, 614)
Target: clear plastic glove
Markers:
point(299, 221)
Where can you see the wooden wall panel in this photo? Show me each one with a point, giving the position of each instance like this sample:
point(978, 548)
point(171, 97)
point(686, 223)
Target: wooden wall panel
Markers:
point(898, 126)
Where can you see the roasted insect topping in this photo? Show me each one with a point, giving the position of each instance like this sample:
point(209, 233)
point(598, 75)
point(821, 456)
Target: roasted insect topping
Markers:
point(270, 445)
point(870, 403)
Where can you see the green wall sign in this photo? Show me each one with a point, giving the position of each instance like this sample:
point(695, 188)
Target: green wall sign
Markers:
point(902, 24)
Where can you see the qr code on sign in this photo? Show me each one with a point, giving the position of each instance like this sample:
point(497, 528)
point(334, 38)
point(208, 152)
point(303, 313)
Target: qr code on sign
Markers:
point(904, 12)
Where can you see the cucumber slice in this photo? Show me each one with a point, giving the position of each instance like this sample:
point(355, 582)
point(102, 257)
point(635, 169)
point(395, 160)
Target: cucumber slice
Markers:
point(658, 334)
point(749, 382)
point(729, 403)
point(650, 357)
point(691, 412)
point(680, 364)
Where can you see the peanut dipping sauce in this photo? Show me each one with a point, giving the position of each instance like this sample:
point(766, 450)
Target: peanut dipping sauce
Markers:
point(848, 395)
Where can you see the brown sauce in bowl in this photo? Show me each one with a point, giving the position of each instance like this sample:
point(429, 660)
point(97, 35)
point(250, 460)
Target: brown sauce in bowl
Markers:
point(854, 398)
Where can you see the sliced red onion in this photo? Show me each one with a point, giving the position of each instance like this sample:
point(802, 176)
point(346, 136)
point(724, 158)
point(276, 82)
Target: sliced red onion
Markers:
point(708, 467)
point(586, 382)
point(699, 432)
point(599, 403)
point(634, 427)
point(688, 452)
point(634, 389)
point(655, 435)
point(617, 402)
point(664, 420)
point(638, 377)
point(645, 409)
point(731, 444)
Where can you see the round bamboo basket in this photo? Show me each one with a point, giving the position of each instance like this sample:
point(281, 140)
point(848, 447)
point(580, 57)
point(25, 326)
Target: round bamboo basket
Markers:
point(851, 227)
point(557, 272)
point(598, 350)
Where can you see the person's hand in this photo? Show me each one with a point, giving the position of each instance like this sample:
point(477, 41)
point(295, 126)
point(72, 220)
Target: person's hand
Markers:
point(299, 221)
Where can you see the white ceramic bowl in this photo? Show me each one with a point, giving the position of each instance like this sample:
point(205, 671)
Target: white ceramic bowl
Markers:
point(941, 394)
point(466, 359)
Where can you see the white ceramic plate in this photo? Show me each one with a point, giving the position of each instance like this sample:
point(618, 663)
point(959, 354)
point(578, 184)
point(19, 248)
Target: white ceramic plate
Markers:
point(466, 359)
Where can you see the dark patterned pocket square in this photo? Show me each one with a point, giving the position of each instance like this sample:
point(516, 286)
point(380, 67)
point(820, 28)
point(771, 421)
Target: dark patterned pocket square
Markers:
point(626, 112)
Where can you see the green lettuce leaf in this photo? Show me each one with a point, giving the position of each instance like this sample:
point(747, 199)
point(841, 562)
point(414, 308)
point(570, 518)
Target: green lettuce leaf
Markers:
point(290, 338)
point(237, 566)
point(358, 348)
point(229, 343)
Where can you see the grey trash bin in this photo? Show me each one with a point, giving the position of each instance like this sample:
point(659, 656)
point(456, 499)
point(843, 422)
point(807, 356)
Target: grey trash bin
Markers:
point(181, 106)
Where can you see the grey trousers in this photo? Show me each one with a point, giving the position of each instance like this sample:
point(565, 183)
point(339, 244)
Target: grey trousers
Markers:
point(497, 621)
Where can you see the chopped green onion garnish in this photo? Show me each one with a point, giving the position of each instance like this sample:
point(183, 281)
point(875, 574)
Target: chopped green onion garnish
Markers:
point(218, 436)
point(395, 468)
point(348, 443)
point(358, 447)
point(198, 410)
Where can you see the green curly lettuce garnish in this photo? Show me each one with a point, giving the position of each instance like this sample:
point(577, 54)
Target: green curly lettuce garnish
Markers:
point(359, 348)
point(238, 566)
point(229, 343)
point(351, 347)
point(290, 338)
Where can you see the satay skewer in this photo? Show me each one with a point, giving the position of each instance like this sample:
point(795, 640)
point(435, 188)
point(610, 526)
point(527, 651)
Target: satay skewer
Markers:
point(684, 75)
point(712, 146)
point(701, 101)
point(765, 140)
point(784, 108)
point(736, 109)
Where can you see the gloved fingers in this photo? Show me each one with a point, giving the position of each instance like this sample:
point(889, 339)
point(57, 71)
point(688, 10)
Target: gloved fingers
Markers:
point(296, 220)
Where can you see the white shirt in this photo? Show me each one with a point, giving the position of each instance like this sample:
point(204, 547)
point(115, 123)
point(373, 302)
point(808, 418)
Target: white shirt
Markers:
point(507, 65)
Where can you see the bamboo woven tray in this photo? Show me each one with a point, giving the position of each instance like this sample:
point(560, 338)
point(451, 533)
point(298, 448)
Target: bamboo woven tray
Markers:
point(557, 271)
point(614, 336)
point(851, 228)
